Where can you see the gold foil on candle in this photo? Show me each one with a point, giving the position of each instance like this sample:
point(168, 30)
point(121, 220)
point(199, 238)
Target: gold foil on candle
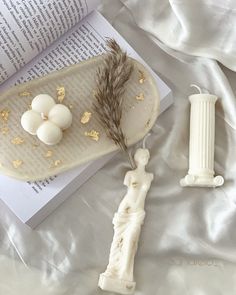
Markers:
point(120, 243)
point(17, 163)
point(141, 77)
point(4, 114)
point(148, 123)
point(61, 93)
point(25, 93)
point(140, 96)
point(129, 287)
point(127, 209)
point(4, 130)
point(92, 134)
point(48, 154)
point(134, 184)
point(17, 140)
point(86, 117)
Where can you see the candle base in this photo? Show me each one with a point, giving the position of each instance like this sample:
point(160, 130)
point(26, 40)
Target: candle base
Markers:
point(202, 181)
point(116, 285)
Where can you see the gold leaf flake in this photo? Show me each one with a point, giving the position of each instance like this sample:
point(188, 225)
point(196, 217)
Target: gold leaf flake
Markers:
point(94, 92)
point(134, 184)
point(148, 123)
point(141, 77)
point(127, 209)
point(4, 130)
point(140, 96)
point(17, 140)
point(129, 287)
point(4, 114)
point(60, 98)
point(35, 145)
point(141, 80)
point(48, 154)
point(85, 117)
point(25, 93)
point(70, 106)
point(57, 163)
point(61, 93)
point(92, 134)
point(17, 163)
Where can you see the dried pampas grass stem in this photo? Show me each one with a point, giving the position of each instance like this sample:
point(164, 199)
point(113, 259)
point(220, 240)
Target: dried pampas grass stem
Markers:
point(111, 81)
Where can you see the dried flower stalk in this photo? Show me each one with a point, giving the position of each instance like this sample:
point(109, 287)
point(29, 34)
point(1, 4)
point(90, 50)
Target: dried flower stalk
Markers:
point(111, 82)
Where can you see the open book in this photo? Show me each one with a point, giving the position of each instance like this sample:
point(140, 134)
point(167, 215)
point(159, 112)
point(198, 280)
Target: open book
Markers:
point(36, 38)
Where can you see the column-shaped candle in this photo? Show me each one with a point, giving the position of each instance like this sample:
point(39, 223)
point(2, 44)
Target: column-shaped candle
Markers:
point(201, 142)
point(127, 222)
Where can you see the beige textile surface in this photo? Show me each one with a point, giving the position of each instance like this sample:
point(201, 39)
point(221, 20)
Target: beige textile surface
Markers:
point(188, 240)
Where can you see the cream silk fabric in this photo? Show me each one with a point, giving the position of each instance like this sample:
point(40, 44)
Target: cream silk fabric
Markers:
point(188, 240)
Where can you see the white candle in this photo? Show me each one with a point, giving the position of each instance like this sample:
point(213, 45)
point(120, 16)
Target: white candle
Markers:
point(49, 133)
point(61, 116)
point(46, 119)
point(201, 142)
point(42, 104)
point(118, 276)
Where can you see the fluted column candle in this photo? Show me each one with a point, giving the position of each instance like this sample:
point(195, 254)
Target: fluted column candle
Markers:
point(201, 143)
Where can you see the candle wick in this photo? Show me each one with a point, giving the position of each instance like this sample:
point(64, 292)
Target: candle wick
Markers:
point(198, 88)
point(201, 90)
point(44, 117)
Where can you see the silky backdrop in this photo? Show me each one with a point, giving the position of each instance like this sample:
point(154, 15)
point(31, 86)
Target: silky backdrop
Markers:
point(188, 241)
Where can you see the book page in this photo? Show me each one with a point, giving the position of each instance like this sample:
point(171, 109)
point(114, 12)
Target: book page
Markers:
point(86, 39)
point(29, 27)
point(32, 196)
point(38, 198)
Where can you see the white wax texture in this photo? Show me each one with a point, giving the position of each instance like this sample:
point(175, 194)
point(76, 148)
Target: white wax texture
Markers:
point(61, 116)
point(46, 119)
point(42, 104)
point(49, 133)
point(31, 121)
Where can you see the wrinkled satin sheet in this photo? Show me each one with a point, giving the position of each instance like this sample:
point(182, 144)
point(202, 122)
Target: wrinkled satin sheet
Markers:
point(188, 240)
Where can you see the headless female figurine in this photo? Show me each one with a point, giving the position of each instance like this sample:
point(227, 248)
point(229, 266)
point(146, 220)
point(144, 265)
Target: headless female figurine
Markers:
point(128, 220)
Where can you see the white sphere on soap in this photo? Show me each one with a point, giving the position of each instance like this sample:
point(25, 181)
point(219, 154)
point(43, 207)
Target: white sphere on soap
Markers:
point(61, 116)
point(31, 121)
point(42, 104)
point(49, 133)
